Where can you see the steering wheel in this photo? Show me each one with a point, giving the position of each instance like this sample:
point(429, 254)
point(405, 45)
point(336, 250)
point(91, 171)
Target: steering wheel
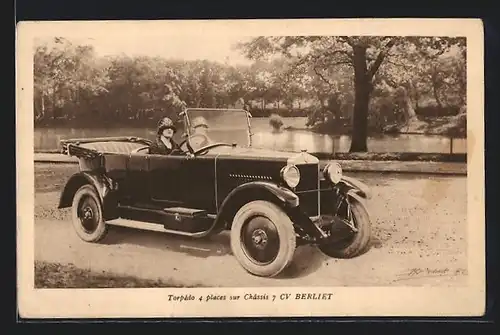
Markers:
point(210, 146)
point(184, 143)
point(202, 140)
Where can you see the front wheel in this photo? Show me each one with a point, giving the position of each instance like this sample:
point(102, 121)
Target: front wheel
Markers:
point(263, 239)
point(87, 215)
point(355, 241)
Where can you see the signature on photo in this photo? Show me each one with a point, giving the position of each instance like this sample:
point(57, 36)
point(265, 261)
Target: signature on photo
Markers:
point(430, 272)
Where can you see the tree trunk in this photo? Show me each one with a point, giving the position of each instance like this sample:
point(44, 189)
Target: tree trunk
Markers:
point(334, 106)
point(362, 83)
point(417, 99)
point(462, 84)
point(43, 107)
point(408, 103)
point(410, 111)
point(436, 96)
point(435, 88)
point(54, 104)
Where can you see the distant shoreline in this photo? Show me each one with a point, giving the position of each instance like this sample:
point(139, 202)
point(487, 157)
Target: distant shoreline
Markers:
point(358, 156)
point(338, 132)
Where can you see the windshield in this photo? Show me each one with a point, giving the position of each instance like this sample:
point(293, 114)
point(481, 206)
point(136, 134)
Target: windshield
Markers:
point(211, 126)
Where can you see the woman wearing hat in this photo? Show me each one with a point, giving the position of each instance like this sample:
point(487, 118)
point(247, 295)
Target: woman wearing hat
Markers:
point(164, 144)
point(199, 138)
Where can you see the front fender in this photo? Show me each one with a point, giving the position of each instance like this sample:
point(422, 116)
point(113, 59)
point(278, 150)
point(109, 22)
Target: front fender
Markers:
point(284, 195)
point(102, 184)
point(357, 186)
point(257, 190)
point(354, 196)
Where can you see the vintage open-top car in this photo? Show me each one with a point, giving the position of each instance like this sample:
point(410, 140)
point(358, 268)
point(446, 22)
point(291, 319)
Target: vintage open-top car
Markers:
point(270, 201)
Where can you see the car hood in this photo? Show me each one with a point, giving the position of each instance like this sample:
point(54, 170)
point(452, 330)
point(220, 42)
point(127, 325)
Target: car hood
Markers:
point(257, 153)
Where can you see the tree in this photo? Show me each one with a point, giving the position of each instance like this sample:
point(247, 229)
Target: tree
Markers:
point(141, 86)
point(364, 55)
point(372, 82)
point(66, 77)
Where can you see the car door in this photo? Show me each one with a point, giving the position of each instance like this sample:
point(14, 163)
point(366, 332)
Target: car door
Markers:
point(199, 190)
point(137, 172)
point(166, 179)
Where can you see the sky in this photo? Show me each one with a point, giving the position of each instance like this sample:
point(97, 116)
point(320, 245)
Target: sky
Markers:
point(215, 48)
point(220, 47)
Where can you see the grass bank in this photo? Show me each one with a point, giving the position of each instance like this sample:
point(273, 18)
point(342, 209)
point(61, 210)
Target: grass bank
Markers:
point(451, 125)
point(394, 156)
point(55, 275)
point(374, 156)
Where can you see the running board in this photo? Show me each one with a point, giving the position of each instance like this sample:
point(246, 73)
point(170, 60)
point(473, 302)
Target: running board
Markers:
point(176, 219)
point(151, 227)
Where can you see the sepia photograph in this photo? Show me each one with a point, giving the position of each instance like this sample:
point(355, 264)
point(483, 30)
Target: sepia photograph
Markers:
point(250, 168)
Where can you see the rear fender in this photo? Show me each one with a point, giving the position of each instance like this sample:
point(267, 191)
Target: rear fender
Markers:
point(258, 190)
point(104, 186)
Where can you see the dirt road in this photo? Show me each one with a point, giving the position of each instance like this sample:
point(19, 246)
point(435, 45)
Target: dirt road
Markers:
point(419, 227)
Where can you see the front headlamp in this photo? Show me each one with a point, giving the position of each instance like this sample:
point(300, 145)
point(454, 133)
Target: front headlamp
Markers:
point(333, 172)
point(290, 175)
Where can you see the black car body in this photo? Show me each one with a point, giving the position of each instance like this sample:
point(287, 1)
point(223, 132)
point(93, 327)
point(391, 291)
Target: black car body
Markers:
point(270, 200)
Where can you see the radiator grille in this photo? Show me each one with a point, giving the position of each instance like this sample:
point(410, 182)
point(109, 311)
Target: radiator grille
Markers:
point(307, 189)
point(308, 177)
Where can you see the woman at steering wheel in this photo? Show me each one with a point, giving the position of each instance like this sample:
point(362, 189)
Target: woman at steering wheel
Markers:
point(199, 138)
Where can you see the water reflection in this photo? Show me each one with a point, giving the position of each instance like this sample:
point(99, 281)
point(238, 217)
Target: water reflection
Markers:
point(264, 137)
point(293, 141)
point(48, 138)
point(299, 140)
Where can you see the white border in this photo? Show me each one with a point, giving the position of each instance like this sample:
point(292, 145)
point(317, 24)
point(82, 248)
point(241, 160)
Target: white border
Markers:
point(348, 301)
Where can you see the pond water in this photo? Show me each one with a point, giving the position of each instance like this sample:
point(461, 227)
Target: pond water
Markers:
point(294, 140)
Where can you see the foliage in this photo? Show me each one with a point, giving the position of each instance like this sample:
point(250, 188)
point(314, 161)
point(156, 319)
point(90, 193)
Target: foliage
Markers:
point(71, 82)
point(276, 122)
point(354, 84)
point(384, 76)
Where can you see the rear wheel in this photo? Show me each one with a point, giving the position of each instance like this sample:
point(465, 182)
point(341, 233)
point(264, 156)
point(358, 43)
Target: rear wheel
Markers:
point(87, 215)
point(263, 238)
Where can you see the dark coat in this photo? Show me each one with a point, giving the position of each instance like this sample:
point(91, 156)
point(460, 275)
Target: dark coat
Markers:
point(159, 148)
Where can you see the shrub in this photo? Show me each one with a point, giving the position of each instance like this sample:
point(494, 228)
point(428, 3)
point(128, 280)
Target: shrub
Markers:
point(276, 122)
